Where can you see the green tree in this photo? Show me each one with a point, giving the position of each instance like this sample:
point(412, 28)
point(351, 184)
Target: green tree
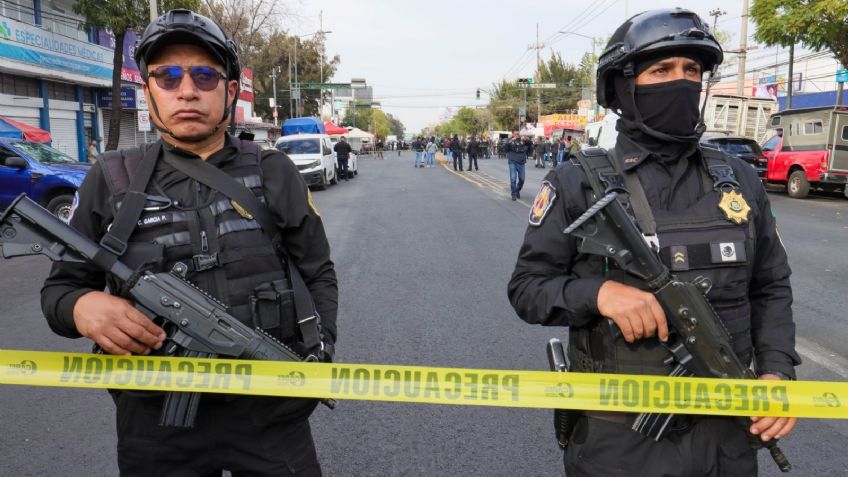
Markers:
point(396, 126)
point(379, 124)
point(466, 122)
point(818, 24)
point(120, 16)
point(357, 116)
point(570, 81)
point(506, 98)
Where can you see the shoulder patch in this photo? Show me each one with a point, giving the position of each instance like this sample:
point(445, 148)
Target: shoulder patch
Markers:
point(542, 204)
point(311, 202)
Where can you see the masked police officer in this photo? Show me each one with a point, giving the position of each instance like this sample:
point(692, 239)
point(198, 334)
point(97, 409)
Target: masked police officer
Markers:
point(153, 207)
point(686, 200)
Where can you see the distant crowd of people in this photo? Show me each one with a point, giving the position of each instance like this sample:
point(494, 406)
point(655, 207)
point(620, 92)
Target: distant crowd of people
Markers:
point(458, 150)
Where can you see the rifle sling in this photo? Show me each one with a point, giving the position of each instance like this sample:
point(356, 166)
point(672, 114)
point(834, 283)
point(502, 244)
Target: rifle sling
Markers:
point(201, 171)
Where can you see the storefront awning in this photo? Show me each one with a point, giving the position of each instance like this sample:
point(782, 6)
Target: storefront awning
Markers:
point(15, 130)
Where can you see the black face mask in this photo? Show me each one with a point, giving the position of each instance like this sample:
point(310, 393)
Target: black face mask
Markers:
point(671, 107)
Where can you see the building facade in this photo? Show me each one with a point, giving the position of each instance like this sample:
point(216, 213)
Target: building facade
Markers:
point(50, 72)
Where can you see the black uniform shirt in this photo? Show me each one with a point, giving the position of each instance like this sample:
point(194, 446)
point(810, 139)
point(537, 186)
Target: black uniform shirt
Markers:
point(343, 149)
point(286, 195)
point(544, 290)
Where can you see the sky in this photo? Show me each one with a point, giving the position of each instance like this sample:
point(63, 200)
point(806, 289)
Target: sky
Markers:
point(422, 57)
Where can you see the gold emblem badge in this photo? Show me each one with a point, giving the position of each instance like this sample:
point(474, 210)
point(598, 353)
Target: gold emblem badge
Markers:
point(734, 206)
point(241, 210)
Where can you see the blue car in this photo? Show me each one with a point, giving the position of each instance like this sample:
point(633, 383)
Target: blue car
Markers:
point(44, 174)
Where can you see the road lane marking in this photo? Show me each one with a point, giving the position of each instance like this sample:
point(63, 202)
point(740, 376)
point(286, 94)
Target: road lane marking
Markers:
point(822, 356)
point(485, 181)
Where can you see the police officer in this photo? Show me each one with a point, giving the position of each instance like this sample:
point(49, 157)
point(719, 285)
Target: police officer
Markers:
point(473, 152)
point(191, 72)
point(686, 201)
point(456, 149)
point(343, 151)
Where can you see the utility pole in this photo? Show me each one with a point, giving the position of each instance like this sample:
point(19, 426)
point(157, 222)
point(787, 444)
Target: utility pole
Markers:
point(274, 85)
point(715, 13)
point(321, 61)
point(154, 14)
point(743, 50)
point(291, 91)
point(791, 73)
point(296, 82)
point(538, 47)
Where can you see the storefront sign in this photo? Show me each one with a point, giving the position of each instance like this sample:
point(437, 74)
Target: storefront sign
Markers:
point(246, 86)
point(128, 98)
point(129, 69)
point(32, 44)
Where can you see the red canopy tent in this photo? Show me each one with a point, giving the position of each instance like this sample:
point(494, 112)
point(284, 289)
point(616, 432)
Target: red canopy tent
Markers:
point(332, 129)
point(17, 130)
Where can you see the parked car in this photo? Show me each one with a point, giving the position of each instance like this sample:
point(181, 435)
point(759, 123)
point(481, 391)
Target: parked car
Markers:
point(314, 157)
point(742, 147)
point(809, 150)
point(45, 175)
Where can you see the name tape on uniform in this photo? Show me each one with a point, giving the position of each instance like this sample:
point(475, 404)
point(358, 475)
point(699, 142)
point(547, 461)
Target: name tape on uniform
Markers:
point(417, 384)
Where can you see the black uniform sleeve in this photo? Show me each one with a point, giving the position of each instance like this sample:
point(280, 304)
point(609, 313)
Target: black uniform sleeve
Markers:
point(770, 294)
point(543, 288)
point(303, 234)
point(69, 281)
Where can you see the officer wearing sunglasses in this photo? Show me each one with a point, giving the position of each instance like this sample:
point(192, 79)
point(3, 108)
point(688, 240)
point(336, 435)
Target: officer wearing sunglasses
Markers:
point(154, 207)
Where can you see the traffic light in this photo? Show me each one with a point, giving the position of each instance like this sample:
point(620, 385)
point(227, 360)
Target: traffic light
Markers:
point(478, 93)
point(526, 81)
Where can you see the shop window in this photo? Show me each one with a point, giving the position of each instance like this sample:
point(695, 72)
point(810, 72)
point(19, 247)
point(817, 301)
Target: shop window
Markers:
point(21, 10)
point(18, 85)
point(61, 19)
point(62, 91)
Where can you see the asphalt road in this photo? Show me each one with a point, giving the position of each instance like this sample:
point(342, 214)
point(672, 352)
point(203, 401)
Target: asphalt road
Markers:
point(423, 257)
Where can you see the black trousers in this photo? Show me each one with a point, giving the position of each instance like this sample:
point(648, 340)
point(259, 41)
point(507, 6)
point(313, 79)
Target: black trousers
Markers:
point(342, 167)
point(472, 160)
point(457, 156)
point(713, 446)
point(240, 434)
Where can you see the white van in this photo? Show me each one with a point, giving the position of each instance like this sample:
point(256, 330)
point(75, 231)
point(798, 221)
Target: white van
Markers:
point(601, 133)
point(314, 157)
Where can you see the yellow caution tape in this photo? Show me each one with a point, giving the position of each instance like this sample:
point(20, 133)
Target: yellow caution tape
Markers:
point(417, 384)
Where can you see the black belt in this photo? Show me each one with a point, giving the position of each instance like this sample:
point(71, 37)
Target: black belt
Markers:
point(680, 422)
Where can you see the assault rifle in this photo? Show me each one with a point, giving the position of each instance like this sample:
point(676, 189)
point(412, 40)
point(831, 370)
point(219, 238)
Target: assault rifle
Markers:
point(698, 341)
point(197, 325)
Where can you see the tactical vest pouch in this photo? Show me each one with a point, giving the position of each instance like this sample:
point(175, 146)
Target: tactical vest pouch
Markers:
point(141, 254)
point(272, 309)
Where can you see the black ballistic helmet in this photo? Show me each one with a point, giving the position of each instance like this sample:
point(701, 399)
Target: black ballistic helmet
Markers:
point(654, 32)
point(185, 26)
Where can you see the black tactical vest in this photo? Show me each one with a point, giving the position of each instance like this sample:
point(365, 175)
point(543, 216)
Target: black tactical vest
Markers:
point(698, 242)
point(222, 249)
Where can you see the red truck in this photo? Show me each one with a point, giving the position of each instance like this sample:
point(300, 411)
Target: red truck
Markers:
point(809, 150)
